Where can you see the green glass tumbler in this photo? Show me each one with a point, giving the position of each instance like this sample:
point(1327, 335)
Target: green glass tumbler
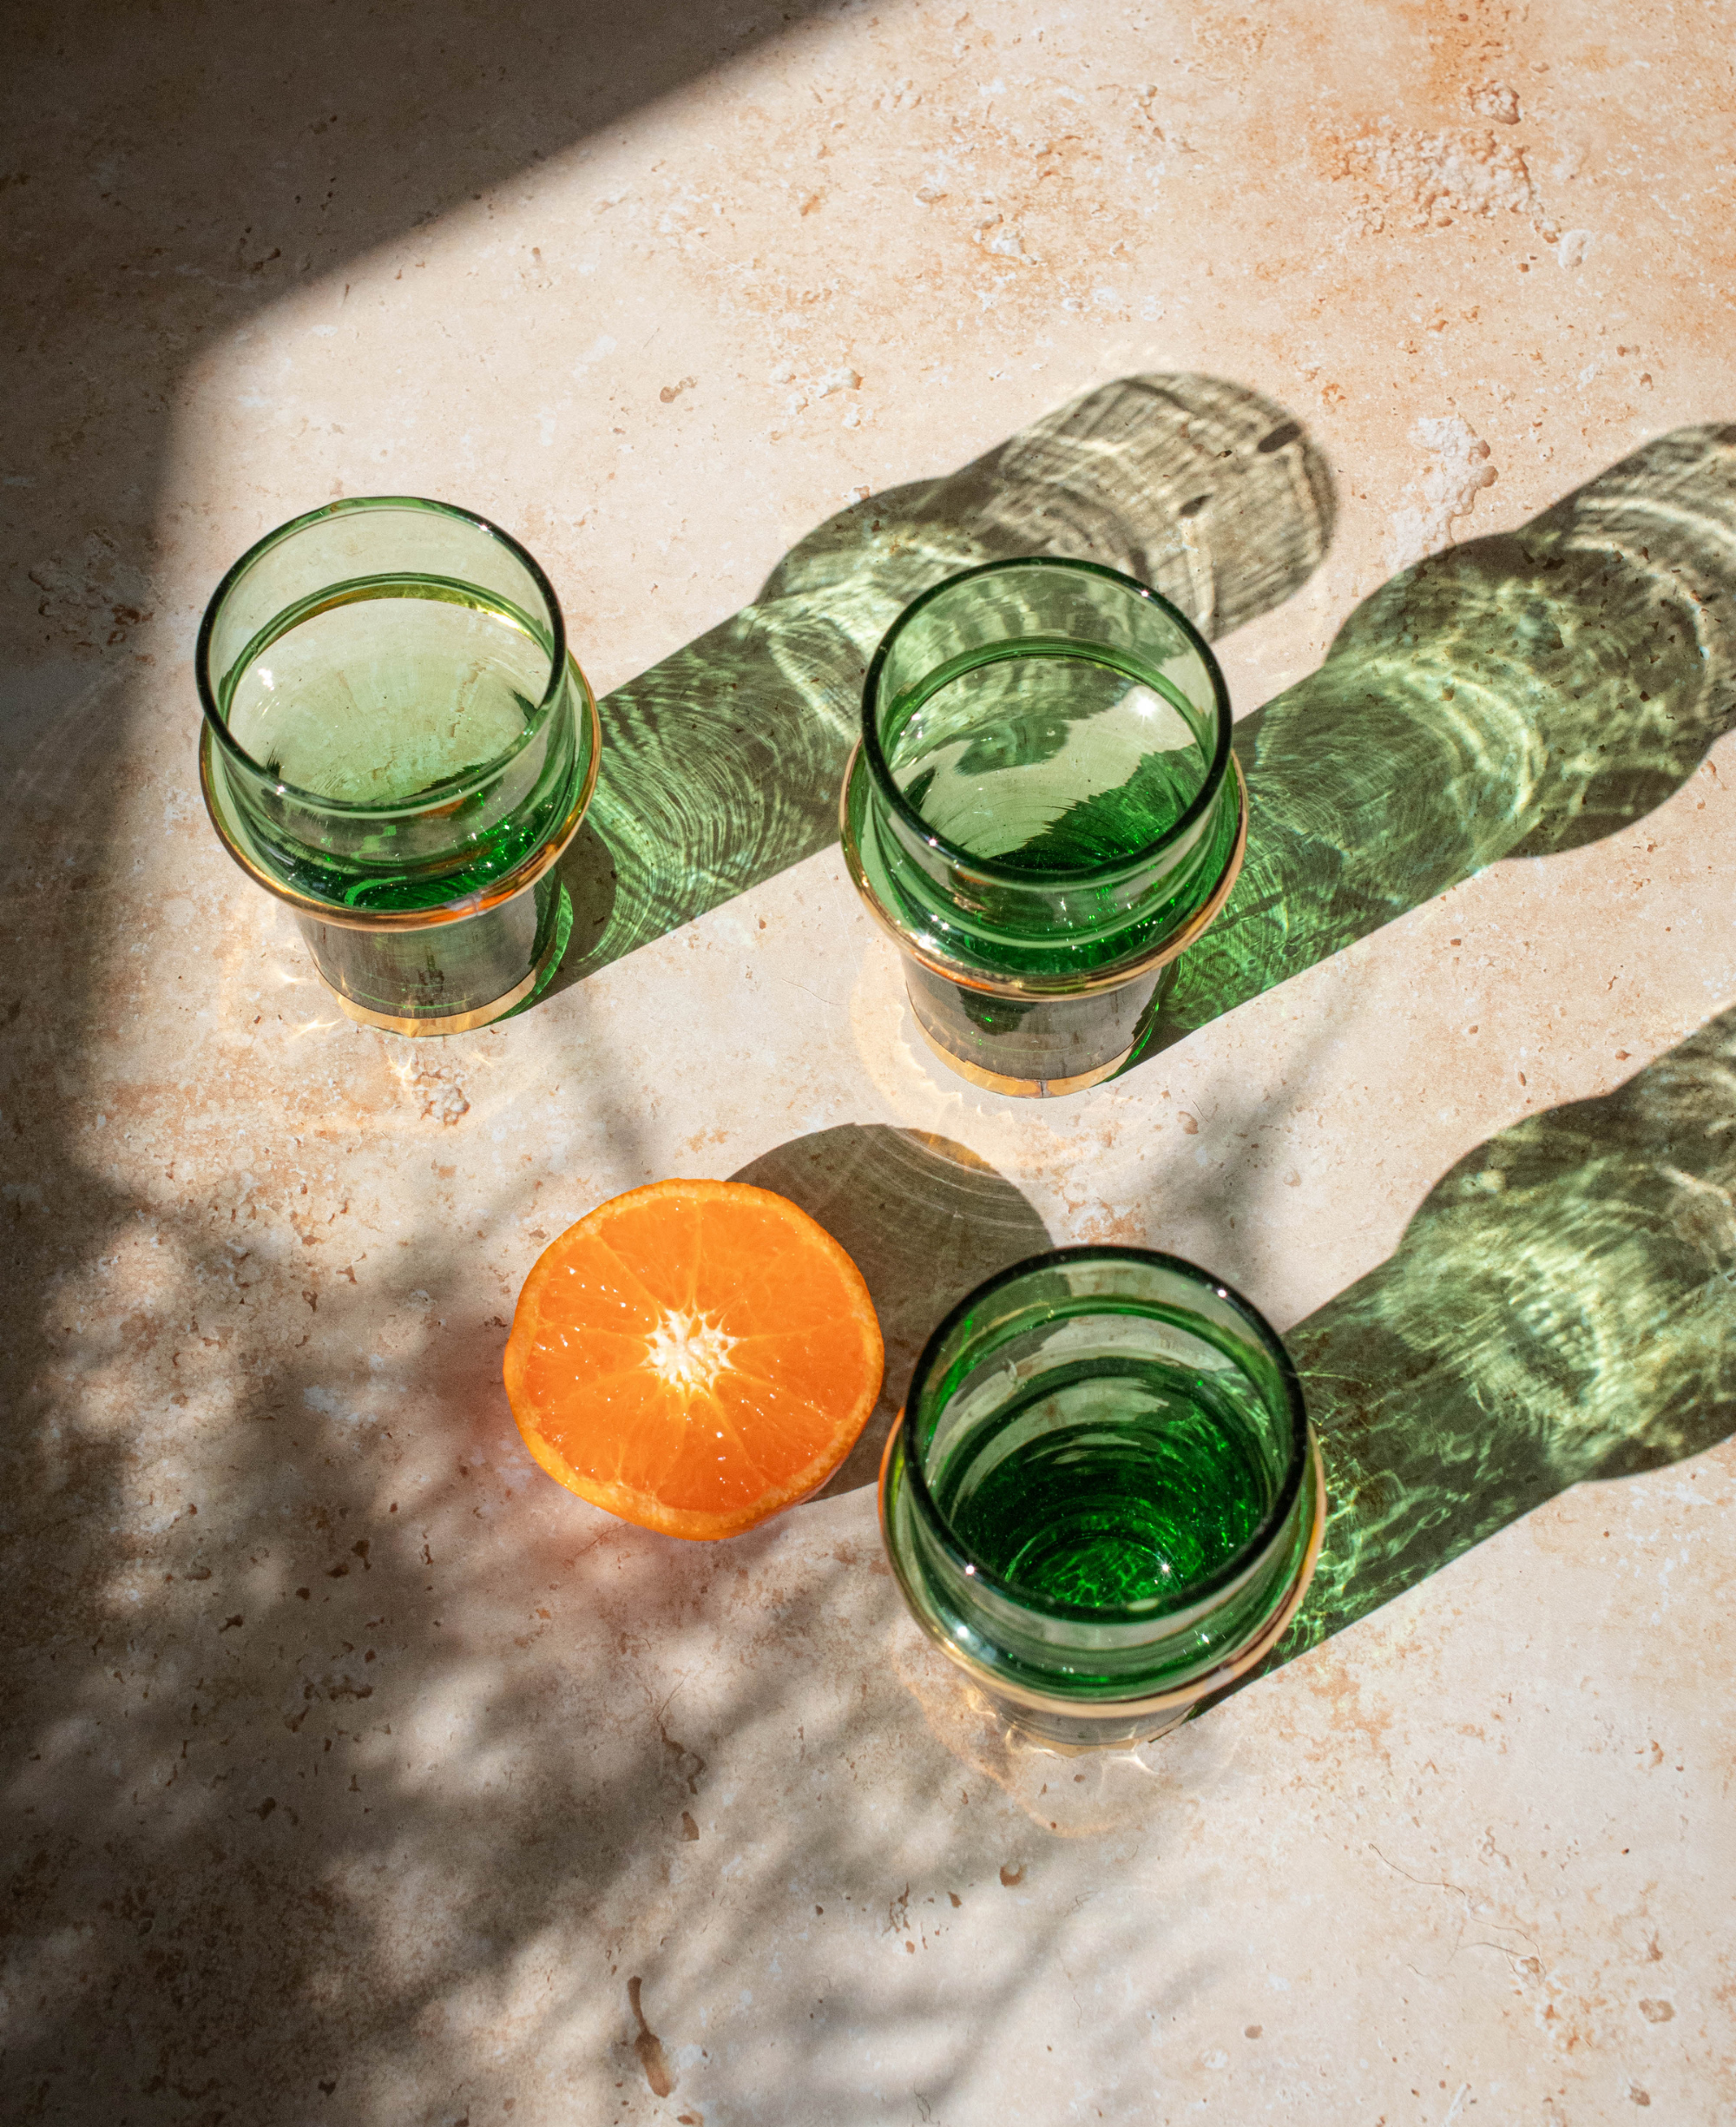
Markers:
point(398, 744)
point(1043, 812)
point(1103, 1499)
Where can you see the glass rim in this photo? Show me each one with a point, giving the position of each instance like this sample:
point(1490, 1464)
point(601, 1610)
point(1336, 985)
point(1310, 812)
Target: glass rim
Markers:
point(437, 793)
point(1244, 1558)
point(880, 770)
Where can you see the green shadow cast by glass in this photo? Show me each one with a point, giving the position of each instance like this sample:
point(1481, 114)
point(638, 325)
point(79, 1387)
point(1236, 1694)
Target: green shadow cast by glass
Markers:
point(398, 745)
point(1515, 696)
point(1043, 813)
point(1558, 1314)
point(1103, 1500)
point(723, 761)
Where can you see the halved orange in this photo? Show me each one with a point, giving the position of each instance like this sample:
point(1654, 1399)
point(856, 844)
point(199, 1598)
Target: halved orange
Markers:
point(694, 1356)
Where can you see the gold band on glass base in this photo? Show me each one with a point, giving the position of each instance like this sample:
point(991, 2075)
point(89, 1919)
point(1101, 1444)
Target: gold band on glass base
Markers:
point(1022, 1088)
point(1175, 1702)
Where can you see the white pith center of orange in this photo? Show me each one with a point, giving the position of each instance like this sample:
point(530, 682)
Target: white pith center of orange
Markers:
point(688, 1350)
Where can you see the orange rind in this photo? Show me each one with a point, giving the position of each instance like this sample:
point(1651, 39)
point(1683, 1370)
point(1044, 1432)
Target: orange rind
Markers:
point(694, 1356)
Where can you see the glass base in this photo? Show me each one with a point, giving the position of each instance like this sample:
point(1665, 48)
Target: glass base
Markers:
point(1038, 1039)
point(1074, 1734)
point(919, 981)
point(455, 978)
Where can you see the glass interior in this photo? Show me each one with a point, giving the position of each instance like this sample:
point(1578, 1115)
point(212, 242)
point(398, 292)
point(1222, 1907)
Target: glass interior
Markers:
point(392, 721)
point(389, 692)
point(1106, 1434)
point(1050, 717)
point(381, 652)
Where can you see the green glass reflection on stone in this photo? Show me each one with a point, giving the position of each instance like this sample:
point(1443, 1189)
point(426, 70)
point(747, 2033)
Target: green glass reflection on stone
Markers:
point(1560, 1311)
point(722, 761)
point(1109, 1482)
point(1515, 696)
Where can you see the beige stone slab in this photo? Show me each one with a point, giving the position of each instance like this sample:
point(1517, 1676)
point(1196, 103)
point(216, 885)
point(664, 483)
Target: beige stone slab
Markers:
point(356, 1770)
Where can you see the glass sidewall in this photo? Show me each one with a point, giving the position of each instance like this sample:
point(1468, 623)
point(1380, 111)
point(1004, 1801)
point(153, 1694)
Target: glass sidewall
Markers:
point(1012, 936)
point(484, 824)
point(515, 812)
point(1007, 1646)
point(990, 916)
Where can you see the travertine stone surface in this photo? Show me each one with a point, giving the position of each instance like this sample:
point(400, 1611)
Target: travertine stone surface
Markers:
point(354, 1770)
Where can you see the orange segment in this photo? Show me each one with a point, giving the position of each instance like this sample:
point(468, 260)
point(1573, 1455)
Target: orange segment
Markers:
point(694, 1356)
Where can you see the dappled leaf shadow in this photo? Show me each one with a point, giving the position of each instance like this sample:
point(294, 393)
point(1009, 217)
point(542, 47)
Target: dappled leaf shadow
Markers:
point(362, 1746)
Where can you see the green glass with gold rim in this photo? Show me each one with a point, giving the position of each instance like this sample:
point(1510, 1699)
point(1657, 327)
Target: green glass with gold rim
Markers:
point(1043, 811)
point(398, 743)
point(1103, 1500)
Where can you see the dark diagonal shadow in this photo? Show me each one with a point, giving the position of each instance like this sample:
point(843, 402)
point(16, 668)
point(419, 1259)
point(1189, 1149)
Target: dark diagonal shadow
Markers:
point(721, 765)
point(1561, 1309)
point(1514, 696)
point(202, 161)
point(923, 1220)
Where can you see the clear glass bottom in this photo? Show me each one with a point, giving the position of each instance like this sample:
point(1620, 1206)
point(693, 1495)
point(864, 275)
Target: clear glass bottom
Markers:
point(449, 977)
point(1034, 1048)
point(1078, 1728)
